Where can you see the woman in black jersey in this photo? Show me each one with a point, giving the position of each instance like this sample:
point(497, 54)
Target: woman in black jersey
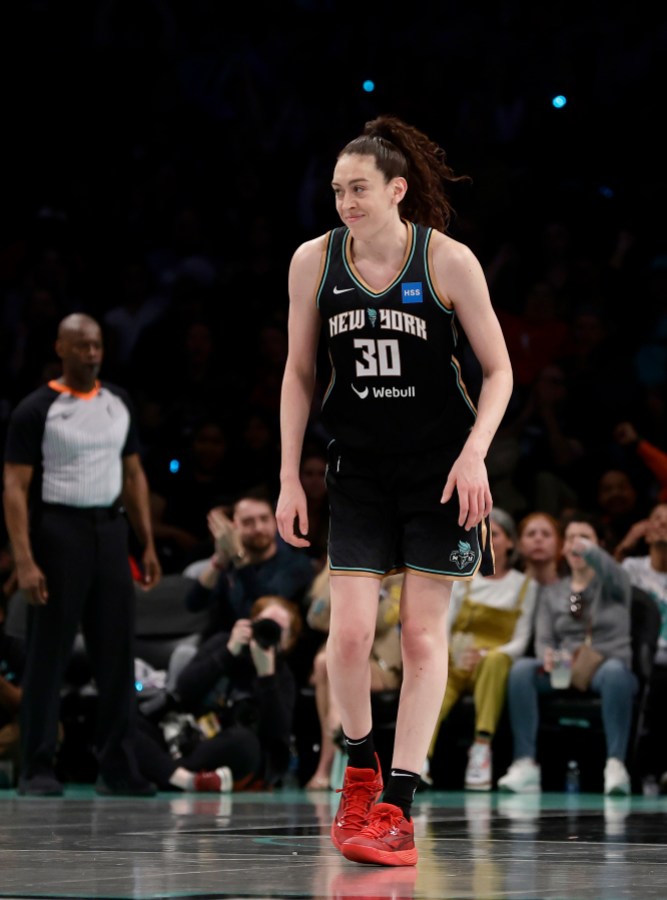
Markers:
point(407, 482)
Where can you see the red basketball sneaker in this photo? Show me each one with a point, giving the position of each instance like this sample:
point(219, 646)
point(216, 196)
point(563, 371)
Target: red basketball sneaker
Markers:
point(361, 788)
point(387, 840)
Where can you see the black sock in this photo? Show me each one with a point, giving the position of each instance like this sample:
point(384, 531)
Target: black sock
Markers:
point(400, 790)
point(361, 752)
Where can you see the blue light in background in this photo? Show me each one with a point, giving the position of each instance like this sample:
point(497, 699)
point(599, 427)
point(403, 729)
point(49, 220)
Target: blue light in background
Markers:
point(369, 86)
point(174, 466)
point(559, 101)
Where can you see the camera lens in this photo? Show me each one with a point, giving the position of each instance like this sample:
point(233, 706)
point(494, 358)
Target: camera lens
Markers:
point(266, 632)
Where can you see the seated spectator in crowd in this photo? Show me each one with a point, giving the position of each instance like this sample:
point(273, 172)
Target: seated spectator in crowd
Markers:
point(595, 596)
point(540, 547)
point(536, 336)
point(650, 574)
point(619, 503)
point(600, 377)
point(552, 454)
point(386, 664)
point(651, 456)
point(12, 654)
point(185, 484)
point(255, 454)
point(490, 624)
point(249, 561)
point(240, 695)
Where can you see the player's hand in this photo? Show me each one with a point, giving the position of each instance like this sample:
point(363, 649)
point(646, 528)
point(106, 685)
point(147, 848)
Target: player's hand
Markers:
point(469, 478)
point(292, 514)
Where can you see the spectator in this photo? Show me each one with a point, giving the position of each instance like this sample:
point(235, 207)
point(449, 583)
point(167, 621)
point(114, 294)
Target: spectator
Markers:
point(595, 594)
point(540, 547)
point(490, 624)
point(12, 656)
point(651, 456)
point(250, 561)
point(650, 574)
point(537, 336)
point(186, 484)
point(241, 691)
point(139, 305)
point(599, 377)
point(255, 454)
point(72, 449)
point(619, 504)
point(551, 453)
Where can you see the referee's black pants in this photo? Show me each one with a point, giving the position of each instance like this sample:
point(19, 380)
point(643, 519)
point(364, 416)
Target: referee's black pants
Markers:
point(84, 556)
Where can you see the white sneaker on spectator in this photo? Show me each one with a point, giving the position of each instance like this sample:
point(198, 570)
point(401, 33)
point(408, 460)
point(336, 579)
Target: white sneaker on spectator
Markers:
point(478, 771)
point(523, 777)
point(616, 778)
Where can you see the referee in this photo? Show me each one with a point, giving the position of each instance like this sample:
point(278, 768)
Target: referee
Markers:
point(71, 471)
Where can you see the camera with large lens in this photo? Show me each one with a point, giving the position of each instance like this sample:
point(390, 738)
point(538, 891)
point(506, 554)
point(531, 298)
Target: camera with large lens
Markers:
point(267, 633)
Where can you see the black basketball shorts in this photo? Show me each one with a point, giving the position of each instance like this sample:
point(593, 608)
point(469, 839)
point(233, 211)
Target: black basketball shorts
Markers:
point(386, 517)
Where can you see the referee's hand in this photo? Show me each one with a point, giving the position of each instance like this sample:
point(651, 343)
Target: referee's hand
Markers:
point(32, 581)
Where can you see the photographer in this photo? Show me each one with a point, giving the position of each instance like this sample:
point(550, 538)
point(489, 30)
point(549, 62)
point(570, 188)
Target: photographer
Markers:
point(240, 694)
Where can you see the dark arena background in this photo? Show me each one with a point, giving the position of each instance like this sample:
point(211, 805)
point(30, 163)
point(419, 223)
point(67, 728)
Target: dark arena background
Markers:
point(161, 161)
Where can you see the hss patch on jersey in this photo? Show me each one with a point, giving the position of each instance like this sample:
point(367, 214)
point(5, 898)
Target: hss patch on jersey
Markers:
point(411, 292)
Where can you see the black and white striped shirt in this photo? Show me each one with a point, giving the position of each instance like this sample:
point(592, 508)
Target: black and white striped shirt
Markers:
point(74, 441)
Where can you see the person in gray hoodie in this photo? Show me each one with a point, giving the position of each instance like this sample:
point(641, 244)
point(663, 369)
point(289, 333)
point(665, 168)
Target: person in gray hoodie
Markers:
point(593, 598)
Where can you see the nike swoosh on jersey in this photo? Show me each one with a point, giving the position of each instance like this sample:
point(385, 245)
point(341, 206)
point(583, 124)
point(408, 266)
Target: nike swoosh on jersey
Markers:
point(342, 290)
point(361, 394)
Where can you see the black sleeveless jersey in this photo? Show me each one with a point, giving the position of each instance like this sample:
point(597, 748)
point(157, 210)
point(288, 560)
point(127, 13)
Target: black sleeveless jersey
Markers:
point(396, 384)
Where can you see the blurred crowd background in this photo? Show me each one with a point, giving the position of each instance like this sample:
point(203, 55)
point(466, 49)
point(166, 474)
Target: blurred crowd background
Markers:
point(164, 158)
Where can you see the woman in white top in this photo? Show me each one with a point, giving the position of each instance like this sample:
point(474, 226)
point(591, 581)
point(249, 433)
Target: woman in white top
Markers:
point(490, 625)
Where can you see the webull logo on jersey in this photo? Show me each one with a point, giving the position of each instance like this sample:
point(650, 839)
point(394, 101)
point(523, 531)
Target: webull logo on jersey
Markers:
point(379, 392)
point(463, 556)
point(412, 292)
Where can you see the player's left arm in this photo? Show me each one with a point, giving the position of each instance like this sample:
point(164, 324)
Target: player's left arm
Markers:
point(459, 272)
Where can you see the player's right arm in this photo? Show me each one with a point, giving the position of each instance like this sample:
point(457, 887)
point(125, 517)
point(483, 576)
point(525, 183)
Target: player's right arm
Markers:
point(16, 486)
point(298, 386)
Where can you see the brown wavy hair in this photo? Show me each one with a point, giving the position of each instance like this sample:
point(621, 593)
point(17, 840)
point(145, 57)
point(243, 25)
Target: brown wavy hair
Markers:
point(403, 151)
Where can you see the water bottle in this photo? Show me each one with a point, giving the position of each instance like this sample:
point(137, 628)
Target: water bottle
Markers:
point(572, 777)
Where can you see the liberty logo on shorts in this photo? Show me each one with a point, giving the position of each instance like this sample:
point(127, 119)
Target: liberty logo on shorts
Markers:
point(463, 556)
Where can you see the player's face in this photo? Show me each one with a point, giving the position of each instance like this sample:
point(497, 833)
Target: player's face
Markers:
point(363, 197)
